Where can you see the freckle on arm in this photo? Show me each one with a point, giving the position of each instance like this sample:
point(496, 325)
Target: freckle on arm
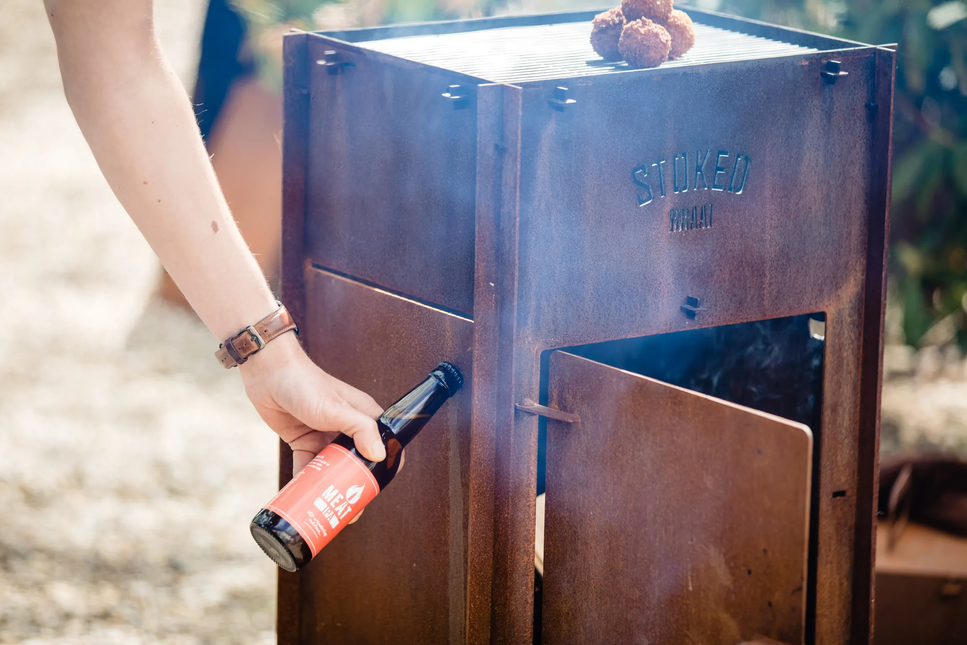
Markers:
point(214, 226)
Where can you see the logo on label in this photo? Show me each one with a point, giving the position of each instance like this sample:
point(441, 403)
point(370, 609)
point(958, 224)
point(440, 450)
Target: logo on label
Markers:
point(315, 503)
point(354, 493)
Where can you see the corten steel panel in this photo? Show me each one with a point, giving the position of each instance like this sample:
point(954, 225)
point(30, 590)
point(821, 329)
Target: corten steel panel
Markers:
point(492, 513)
point(874, 313)
point(294, 155)
point(399, 574)
point(672, 517)
point(391, 178)
point(595, 265)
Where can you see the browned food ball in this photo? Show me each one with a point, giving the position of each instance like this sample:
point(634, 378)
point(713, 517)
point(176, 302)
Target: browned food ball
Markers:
point(644, 43)
point(605, 32)
point(657, 10)
point(680, 28)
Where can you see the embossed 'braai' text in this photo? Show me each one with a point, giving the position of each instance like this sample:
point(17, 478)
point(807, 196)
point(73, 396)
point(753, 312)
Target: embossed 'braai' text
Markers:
point(690, 219)
point(721, 171)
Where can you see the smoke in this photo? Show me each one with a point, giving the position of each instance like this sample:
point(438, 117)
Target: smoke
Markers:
point(773, 366)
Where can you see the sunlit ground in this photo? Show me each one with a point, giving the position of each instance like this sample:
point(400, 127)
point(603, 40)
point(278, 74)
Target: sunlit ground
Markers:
point(130, 462)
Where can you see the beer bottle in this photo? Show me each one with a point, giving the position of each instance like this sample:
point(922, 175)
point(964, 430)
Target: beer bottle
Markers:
point(335, 486)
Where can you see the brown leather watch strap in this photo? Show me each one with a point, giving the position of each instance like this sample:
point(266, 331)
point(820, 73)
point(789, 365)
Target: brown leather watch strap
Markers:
point(239, 348)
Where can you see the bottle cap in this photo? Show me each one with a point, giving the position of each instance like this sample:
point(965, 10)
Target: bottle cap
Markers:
point(450, 376)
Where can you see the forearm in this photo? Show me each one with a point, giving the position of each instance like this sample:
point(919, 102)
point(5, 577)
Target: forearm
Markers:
point(137, 118)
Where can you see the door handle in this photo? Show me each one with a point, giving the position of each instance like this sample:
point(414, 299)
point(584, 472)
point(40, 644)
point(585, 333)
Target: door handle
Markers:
point(527, 406)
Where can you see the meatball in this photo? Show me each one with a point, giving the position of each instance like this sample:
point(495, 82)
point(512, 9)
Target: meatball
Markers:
point(657, 10)
point(680, 28)
point(644, 43)
point(605, 32)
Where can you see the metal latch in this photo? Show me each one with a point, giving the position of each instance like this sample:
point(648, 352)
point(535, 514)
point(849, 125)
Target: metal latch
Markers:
point(527, 406)
point(833, 72)
point(559, 101)
point(692, 307)
point(333, 62)
point(458, 95)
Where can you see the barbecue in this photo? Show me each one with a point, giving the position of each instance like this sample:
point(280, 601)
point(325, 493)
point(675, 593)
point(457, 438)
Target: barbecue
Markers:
point(665, 287)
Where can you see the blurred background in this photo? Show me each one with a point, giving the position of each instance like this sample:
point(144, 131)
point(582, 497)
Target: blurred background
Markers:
point(129, 467)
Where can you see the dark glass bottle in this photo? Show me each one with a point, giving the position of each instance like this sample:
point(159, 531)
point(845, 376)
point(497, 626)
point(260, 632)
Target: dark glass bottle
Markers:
point(335, 487)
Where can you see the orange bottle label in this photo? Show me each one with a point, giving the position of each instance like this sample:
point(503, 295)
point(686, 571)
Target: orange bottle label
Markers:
point(322, 499)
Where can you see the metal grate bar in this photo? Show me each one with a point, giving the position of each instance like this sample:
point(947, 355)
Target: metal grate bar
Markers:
point(547, 52)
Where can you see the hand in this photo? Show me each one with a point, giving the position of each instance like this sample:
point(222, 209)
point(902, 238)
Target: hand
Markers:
point(305, 406)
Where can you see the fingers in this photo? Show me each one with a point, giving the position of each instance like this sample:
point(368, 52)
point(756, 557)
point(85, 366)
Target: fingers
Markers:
point(339, 416)
point(300, 459)
point(356, 398)
point(307, 445)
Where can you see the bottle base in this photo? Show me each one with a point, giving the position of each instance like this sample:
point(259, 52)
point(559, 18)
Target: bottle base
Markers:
point(273, 547)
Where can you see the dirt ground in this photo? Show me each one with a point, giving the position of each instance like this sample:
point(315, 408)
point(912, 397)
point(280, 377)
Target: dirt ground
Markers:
point(128, 473)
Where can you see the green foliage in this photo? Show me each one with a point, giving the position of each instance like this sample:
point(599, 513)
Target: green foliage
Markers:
point(929, 213)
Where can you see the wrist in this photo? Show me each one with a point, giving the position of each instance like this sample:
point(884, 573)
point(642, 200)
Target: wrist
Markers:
point(282, 351)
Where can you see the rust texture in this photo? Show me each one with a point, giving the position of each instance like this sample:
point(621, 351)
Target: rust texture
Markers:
point(396, 183)
point(794, 241)
point(417, 199)
point(294, 157)
point(495, 286)
point(654, 475)
point(881, 112)
point(399, 574)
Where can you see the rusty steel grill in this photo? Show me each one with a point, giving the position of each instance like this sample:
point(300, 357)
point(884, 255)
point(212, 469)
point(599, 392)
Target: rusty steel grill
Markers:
point(665, 287)
point(546, 52)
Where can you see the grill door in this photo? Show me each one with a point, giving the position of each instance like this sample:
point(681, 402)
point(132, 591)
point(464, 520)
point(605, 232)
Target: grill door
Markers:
point(671, 516)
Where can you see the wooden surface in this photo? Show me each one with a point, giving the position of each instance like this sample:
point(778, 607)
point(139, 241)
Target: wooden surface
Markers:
point(922, 550)
point(921, 587)
point(671, 517)
point(397, 576)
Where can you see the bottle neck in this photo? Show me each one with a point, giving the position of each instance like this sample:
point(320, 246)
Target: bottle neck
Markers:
point(406, 417)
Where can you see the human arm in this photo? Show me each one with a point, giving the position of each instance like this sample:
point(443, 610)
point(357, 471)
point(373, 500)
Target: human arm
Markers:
point(137, 119)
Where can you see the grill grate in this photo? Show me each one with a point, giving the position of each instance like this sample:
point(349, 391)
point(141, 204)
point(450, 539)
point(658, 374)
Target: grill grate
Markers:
point(546, 52)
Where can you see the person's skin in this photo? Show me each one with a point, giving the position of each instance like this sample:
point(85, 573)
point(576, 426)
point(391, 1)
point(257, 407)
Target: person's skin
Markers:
point(245, 153)
point(136, 116)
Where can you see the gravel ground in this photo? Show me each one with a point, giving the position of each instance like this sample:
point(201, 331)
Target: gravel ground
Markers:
point(128, 472)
